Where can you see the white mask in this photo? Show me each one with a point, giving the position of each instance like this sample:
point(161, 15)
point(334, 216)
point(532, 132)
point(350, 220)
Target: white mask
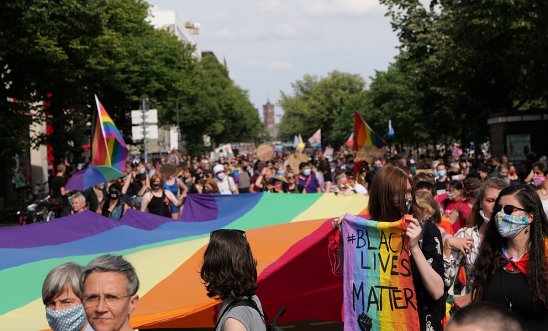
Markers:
point(221, 175)
point(482, 214)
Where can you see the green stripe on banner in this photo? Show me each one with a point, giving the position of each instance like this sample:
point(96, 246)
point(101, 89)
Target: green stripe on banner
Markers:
point(23, 284)
point(275, 209)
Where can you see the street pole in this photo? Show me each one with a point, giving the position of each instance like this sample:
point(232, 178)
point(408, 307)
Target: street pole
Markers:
point(144, 104)
point(178, 127)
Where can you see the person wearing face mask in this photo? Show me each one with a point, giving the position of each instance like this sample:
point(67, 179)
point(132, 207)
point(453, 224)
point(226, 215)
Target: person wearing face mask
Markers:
point(424, 241)
point(244, 179)
point(462, 249)
point(114, 207)
point(513, 175)
point(210, 187)
point(132, 182)
point(511, 267)
point(157, 200)
point(225, 183)
point(61, 293)
point(391, 199)
point(307, 180)
point(442, 181)
point(540, 171)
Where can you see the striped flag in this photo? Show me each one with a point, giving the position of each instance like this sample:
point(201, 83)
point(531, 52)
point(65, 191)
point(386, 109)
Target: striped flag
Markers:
point(108, 148)
point(364, 135)
point(316, 139)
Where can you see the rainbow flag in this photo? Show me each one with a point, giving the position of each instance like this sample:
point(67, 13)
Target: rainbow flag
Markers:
point(364, 135)
point(108, 148)
point(378, 286)
point(290, 234)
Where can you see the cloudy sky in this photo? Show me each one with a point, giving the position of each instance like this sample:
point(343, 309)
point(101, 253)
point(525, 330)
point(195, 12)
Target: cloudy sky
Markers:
point(269, 44)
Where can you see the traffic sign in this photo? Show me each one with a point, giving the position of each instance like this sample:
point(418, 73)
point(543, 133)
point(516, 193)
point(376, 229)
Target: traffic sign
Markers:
point(151, 117)
point(137, 132)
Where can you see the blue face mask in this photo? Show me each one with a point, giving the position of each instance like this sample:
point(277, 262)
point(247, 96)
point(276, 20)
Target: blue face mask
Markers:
point(509, 225)
point(307, 172)
point(442, 173)
point(377, 167)
point(72, 319)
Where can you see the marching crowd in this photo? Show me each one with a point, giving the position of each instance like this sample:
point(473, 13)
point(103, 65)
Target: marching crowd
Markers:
point(478, 226)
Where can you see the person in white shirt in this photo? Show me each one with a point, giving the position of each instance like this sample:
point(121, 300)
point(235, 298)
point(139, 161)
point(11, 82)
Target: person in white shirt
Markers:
point(225, 183)
point(359, 188)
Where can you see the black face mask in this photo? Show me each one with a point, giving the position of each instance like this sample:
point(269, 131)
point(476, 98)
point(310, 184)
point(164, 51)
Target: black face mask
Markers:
point(155, 185)
point(114, 195)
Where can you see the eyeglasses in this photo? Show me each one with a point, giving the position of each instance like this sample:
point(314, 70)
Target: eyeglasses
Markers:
point(226, 230)
point(290, 177)
point(508, 209)
point(110, 300)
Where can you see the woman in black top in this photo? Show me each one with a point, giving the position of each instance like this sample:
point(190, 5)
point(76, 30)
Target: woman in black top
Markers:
point(511, 265)
point(390, 199)
point(157, 200)
point(114, 207)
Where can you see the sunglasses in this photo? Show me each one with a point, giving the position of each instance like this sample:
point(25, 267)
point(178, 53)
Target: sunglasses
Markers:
point(508, 209)
point(226, 230)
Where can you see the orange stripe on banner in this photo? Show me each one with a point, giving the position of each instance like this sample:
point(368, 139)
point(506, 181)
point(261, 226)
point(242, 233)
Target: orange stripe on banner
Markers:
point(159, 307)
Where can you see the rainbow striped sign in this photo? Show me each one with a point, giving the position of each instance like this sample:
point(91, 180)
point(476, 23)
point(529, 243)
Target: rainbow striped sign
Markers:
point(378, 286)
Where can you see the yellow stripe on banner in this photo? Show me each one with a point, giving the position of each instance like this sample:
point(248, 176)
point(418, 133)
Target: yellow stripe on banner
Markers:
point(331, 205)
point(31, 316)
point(152, 266)
point(155, 264)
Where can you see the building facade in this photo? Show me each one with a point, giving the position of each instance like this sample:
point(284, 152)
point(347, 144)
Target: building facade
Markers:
point(269, 116)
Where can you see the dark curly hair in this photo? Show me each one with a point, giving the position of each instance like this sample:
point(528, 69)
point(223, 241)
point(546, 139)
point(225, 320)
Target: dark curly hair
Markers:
point(487, 262)
point(229, 269)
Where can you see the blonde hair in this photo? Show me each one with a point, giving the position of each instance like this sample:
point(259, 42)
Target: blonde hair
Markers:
point(423, 203)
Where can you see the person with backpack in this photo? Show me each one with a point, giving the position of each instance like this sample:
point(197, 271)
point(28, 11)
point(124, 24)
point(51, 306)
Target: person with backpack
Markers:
point(229, 272)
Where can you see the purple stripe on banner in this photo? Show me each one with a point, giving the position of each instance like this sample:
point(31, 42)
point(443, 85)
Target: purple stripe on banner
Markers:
point(199, 208)
point(73, 227)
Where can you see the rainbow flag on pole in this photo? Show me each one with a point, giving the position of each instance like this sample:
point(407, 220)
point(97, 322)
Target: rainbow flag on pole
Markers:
point(108, 148)
point(378, 286)
point(364, 136)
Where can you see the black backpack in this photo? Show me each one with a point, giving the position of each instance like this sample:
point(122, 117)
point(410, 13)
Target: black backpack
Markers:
point(270, 325)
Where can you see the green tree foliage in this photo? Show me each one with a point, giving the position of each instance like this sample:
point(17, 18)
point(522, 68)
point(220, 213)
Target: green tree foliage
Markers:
point(327, 103)
point(391, 97)
point(56, 54)
point(215, 106)
point(470, 59)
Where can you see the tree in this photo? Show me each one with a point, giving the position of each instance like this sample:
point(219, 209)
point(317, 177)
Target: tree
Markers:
point(468, 60)
point(215, 106)
point(325, 103)
point(60, 53)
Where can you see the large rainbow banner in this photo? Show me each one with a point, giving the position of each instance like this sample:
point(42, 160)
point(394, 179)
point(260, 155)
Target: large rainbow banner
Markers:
point(378, 286)
point(290, 235)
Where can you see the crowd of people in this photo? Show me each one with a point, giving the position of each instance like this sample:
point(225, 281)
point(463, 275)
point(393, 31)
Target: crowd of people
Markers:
point(478, 227)
point(160, 186)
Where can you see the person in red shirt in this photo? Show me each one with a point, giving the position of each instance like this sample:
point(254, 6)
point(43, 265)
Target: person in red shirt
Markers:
point(459, 210)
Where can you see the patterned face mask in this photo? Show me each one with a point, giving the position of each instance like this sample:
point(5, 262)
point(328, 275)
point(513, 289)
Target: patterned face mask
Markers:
point(510, 225)
point(72, 319)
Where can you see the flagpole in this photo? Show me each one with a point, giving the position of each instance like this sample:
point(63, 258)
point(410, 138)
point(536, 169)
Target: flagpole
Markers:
point(93, 125)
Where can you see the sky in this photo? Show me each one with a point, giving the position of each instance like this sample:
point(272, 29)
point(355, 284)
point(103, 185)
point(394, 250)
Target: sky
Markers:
point(270, 44)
